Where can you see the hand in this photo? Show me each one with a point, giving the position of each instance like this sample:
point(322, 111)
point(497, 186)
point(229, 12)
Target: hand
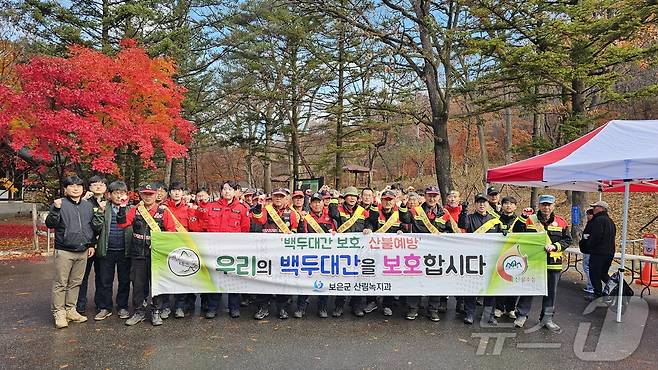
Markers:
point(550, 248)
point(90, 252)
point(58, 203)
point(527, 212)
point(367, 231)
point(400, 232)
point(102, 204)
point(88, 195)
point(303, 213)
point(193, 206)
point(333, 232)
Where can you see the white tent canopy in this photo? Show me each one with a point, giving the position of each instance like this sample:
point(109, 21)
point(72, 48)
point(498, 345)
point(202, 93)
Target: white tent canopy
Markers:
point(619, 152)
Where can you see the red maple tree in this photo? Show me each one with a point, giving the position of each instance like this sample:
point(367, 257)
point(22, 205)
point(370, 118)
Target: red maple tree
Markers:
point(88, 106)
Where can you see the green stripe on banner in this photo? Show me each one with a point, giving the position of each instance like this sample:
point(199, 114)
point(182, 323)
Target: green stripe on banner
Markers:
point(173, 252)
point(522, 256)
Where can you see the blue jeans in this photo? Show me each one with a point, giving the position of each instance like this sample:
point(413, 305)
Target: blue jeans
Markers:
point(586, 270)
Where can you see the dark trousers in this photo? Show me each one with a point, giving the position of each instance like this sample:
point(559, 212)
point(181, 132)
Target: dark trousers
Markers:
point(140, 271)
point(357, 302)
point(469, 305)
point(302, 301)
point(599, 264)
point(547, 301)
point(81, 305)
point(432, 302)
point(263, 300)
point(215, 298)
point(507, 303)
point(114, 261)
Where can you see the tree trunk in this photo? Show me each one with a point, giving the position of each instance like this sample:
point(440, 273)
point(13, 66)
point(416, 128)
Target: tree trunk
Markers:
point(338, 169)
point(442, 155)
point(536, 136)
point(105, 27)
point(267, 161)
point(578, 198)
point(507, 119)
point(484, 155)
point(169, 165)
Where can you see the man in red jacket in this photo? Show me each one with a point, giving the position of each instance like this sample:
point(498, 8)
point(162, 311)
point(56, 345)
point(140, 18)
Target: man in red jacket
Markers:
point(179, 208)
point(226, 215)
point(275, 218)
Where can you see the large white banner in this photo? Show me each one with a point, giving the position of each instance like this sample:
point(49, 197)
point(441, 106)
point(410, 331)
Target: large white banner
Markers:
point(349, 264)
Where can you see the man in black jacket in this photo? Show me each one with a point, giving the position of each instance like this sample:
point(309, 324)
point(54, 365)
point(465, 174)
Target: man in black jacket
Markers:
point(75, 226)
point(599, 241)
point(480, 221)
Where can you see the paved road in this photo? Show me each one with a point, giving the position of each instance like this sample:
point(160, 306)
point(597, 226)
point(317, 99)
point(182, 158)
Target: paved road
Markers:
point(28, 338)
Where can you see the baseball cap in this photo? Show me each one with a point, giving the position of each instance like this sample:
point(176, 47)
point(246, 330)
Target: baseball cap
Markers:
point(351, 190)
point(297, 193)
point(280, 191)
point(432, 190)
point(491, 190)
point(249, 191)
point(600, 203)
point(546, 198)
point(317, 196)
point(150, 188)
point(388, 194)
point(480, 197)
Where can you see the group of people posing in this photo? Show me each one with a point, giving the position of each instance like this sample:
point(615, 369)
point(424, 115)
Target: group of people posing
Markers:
point(104, 232)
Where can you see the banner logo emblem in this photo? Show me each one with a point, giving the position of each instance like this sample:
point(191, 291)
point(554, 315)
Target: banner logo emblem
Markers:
point(512, 263)
point(183, 262)
point(317, 286)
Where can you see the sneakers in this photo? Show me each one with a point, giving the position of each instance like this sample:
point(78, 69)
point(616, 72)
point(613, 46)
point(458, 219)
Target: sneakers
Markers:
point(210, 314)
point(411, 314)
point(234, 314)
point(370, 307)
point(548, 323)
point(164, 314)
point(492, 321)
point(322, 313)
point(434, 316)
point(589, 290)
point(102, 315)
point(468, 319)
point(298, 314)
point(124, 314)
point(359, 312)
point(338, 312)
point(511, 315)
point(262, 313)
point(156, 320)
point(460, 307)
point(520, 321)
point(443, 307)
point(73, 315)
point(179, 314)
point(283, 314)
point(498, 313)
point(60, 320)
point(136, 318)
point(388, 311)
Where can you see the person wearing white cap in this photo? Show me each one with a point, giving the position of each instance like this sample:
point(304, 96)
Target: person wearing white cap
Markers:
point(557, 229)
point(599, 241)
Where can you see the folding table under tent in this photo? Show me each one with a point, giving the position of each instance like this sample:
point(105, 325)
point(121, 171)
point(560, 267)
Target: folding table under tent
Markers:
point(618, 156)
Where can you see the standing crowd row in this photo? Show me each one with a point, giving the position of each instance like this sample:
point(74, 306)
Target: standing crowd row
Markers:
point(104, 232)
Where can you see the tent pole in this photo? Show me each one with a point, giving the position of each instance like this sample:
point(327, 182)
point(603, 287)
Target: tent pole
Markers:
point(624, 235)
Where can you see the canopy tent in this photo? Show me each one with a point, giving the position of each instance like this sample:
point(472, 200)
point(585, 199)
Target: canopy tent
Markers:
point(618, 156)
